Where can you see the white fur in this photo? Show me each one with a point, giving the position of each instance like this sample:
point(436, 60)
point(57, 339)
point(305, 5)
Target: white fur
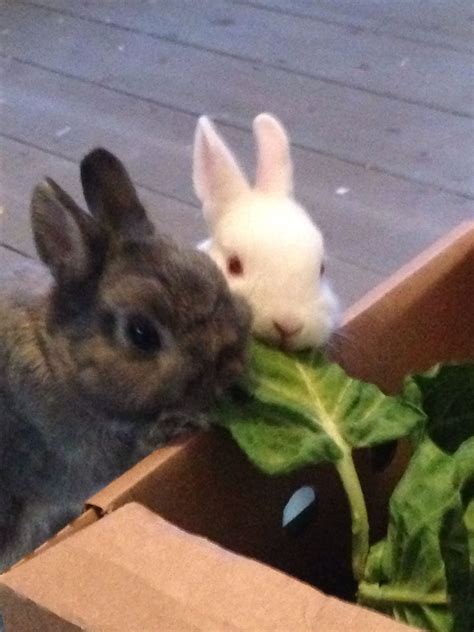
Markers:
point(278, 244)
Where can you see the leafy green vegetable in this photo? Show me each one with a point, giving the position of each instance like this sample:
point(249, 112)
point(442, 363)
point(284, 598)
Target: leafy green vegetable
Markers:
point(447, 393)
point(423, 564)
point(469, 522)
point(429, 550)
point(301, 409)
point(275, 438)
point(282, 392)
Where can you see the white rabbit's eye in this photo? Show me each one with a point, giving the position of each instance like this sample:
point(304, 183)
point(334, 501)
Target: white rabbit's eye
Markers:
point(322, 269)
point(143, 334)
point(234, 266)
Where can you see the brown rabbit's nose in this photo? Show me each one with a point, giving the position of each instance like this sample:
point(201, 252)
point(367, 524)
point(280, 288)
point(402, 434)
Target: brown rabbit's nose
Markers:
point(287, 328)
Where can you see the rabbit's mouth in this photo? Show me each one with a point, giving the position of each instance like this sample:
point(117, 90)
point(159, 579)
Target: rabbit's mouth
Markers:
point(202, 393)
point(230, 367)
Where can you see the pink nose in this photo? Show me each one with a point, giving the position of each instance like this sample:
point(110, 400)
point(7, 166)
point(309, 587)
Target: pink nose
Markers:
point(287, 329)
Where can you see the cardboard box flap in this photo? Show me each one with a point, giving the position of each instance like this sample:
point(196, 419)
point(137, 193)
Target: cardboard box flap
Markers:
point(134, 571)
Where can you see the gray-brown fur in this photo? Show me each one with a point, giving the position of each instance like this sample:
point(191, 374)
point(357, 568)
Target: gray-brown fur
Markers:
point(79, 402)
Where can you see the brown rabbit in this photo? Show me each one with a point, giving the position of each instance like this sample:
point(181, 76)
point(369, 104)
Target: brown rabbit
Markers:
point(118, 351)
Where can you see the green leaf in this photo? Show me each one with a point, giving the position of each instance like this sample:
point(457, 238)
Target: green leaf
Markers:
point(469, 522)
point(420, 573)
point(351, 412)
point(454, 545)
point(298, 409)
point(460, 575)
point(276, 439)
point(448, 400)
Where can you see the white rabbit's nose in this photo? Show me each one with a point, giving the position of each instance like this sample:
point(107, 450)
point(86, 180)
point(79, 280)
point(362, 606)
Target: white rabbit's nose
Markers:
point(287, 328)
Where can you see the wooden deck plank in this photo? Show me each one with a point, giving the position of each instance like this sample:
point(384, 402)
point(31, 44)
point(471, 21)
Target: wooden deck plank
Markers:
point(379, 223)
point(25, 166)
point(447, 25)
point(10, 260)
point(398, 138)
point(452, 18)
point(342, 54)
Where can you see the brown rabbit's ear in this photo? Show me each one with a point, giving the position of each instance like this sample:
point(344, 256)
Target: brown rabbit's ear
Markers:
point(111, 196)
point(66, 238)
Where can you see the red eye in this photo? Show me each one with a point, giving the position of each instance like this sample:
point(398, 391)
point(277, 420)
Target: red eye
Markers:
point(234, 266)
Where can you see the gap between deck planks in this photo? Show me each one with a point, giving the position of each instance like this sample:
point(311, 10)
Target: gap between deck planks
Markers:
point(409, 141)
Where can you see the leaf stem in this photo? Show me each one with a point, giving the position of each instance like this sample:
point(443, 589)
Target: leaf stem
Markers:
point(350, 481)
point(373, 593)
point(360, 522)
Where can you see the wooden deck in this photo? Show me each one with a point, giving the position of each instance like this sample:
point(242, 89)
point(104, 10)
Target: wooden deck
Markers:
point(377, 96)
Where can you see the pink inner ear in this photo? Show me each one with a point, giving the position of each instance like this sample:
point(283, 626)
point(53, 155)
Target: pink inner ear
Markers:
point(274, 172)
point(274, 167)
point(211, 171)
point(202, 165)
point(217, 176)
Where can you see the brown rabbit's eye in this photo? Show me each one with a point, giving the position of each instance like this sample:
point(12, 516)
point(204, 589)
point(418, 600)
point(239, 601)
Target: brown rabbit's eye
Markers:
point(234, 266)
point(143, 334)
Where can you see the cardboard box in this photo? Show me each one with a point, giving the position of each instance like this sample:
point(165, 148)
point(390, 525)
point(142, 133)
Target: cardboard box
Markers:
point(133, 571)
point(123, 566)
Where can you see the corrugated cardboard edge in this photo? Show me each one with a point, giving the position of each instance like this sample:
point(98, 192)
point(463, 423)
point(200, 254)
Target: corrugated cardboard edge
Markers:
point(123, 489)
point(86, 518)
point(417, 270)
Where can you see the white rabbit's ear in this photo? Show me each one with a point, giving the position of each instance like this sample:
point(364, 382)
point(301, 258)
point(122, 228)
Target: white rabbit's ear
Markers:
point(274, 165)
point(217, 177)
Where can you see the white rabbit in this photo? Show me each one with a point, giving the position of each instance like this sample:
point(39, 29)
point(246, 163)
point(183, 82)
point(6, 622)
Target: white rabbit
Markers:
point(267, 246)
